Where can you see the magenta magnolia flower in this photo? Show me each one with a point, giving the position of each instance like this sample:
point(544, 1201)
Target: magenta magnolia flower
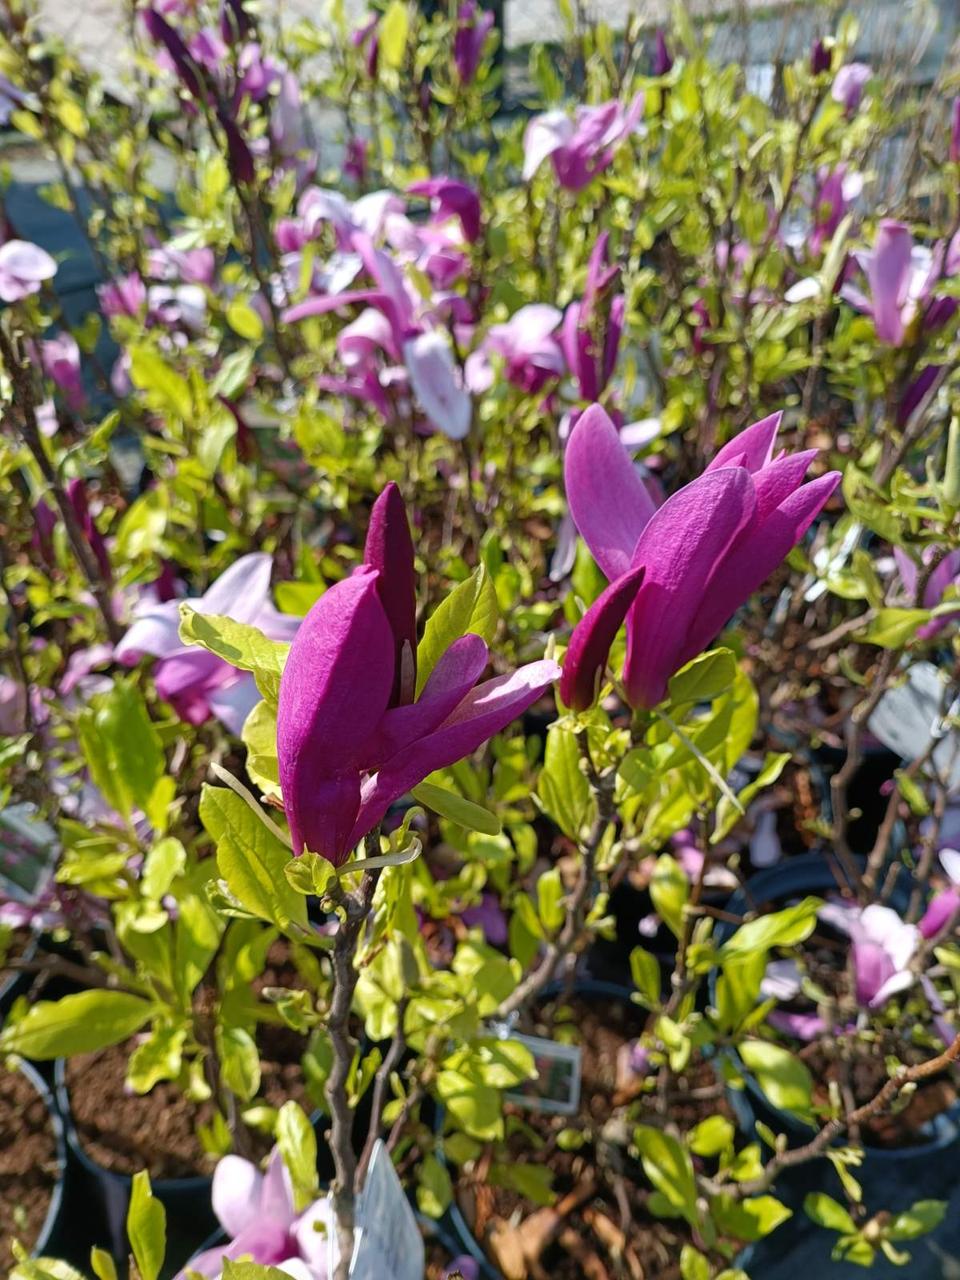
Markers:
point(581, 147)
point(235, 23)
point(531, 354)
point(124, 296)
point(836, 190)
point(61, 363)
point(451, 199)
point(900, 278)
point(196, 683)
point(592, 356)
point(351, 739)
point(849, 84)
point(944, 905)
point(367, 39)
point(257, 1212)
point(662, 58)
point(945, 575)
point(704, 551)
point(23, 269)
point(820, 58)
point(954, 152)
point(473, 27)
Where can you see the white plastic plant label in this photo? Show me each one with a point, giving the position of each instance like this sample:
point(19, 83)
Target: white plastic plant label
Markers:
point(387, 1242)
point(556, 1087)
point(909, 717)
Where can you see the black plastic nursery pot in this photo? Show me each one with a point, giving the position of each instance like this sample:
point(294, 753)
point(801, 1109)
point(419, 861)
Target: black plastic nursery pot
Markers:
point(892, 1178)
point(53, 1237)
point(190, 1217)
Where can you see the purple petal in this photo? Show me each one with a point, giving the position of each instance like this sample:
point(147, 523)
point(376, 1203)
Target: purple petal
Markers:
point(241, 591)
point(455, 674)
point(754, 445)
point(156, 631)
point(888, 269)
point(592, 637)
point(232, 703)
point(435, 380)
point(608, 500)
point(485, 711)
point(943, 907)
point(681, 547)
point(334, 689)
point(755, 555)
point(389, 549)
point(543, 136)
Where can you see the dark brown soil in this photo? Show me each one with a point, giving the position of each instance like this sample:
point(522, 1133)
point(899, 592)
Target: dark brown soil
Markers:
point(125, 1132)
point(28, 1163)
point(599, 1226)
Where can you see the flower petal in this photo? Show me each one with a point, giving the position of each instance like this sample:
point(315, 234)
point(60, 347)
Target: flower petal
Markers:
point(334, 689)
point(235, 1193)
point(592, 637)
point(755, 443)
point(389, 549)
point(681, 546)
point(485, 711)
point(608, 500)
point(436, 381)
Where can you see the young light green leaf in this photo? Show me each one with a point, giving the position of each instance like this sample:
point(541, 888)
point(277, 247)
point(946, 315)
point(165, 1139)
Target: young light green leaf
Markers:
point(827, 1212)
point(645, 971)
point(703, 679)
point(669, 890)
point(668, 1166)
point(241, 645)
point(298, 1147)
point(783, 1078)
point(80, 1023)
point(470, 608)
point(146, 1227)
point(778, 929)
point(455, 808)
point(562, 789)
point(250, 859)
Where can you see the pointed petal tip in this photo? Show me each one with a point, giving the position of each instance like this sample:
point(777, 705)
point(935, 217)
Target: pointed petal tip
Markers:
point(593, 635)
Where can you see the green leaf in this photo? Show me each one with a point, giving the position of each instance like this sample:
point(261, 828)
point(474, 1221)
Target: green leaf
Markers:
point(163, 863)
point(705, 678)
point(123, 750)
point(693, 1264)
point(259, 735)
point(783, 1078)
point(250, 859)
point(778, 929)
point(239, 1061)
point(728, 815)
point(826, 1212)
point(456, 809)
point(434, 1188)
point(668, 1166)
point(918, 1220)
point(394, 29)
point(80, 1023)
point(241, 645)
point(146, 1227)
point(102, 1264)
point(475, 1107)
point(550, 897)
point(164, 388)
point(144, 523)
point(298, 1146)
point(469, 609)
point(310, 874)
point(893, 628)
point(298, 598)
point(244, 320)
point(711, 1136)
point(159, 1057)
point(562, 789)
point(669, 890)
point(645, 971)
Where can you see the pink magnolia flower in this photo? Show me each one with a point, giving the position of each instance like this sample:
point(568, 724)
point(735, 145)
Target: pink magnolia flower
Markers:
point(704, 552)
point(900, 279)
point(531, 354)
point(23, 269)
point(124, 296)
point(662, 58)
point(257, 1211)
point(882, 947)
point(352, 737)
point(196, 683)
point(946, 574)
point(849, 84)
point(582, 147)
point(451, 199)
point(944, 905)
point(61, 363)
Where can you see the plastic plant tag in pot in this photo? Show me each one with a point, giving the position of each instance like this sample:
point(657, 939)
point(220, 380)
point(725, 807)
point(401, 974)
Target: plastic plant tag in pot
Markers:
point(387, 1240)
